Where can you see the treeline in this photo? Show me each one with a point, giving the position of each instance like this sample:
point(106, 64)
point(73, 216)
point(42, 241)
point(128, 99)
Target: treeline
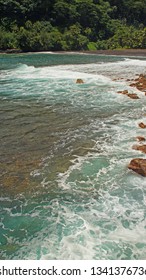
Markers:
point(57, 25)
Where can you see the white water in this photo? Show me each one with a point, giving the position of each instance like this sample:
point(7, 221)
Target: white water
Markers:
point(98, 210)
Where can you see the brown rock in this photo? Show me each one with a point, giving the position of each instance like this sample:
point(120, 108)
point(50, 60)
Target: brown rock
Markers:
point(140, 87)
point(117, 79)
point(133, 85)
point(133, 95)
point(140, 138)
point(138, 165)
point(123, 91)
point(141, 148)
point(140, 83)
point(79, 81)
point(134, 147)
point(142, 125)
point(136, 80)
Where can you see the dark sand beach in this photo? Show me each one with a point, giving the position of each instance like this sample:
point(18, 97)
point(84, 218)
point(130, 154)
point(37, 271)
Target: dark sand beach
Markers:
point(124, 52)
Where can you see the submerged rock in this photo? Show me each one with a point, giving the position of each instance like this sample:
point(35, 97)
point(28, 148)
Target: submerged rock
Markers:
point(138, 165)
point(79, 81)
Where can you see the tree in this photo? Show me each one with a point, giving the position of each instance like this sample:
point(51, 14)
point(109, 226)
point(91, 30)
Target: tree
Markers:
point(72, 24)
point(7, 40)
point(74, 39)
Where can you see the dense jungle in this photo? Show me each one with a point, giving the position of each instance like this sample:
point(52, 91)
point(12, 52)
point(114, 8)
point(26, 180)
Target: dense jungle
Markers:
point(66, 25)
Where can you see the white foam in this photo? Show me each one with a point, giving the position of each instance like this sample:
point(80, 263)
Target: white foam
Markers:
point(135, 235)
point(98, 196)
point(56, 73)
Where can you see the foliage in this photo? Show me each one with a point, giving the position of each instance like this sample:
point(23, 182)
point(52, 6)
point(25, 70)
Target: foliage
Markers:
point(125, 37)
point(7, 40)
point(72, 24)
point(74, 39)
point(92, 46)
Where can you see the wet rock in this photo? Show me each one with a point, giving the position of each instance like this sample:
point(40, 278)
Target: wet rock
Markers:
point(141, 148)
point(131, 95)
point(132, 85)
point(136, 80)
point(117, 79)
point(140, 83)
point(140, 138)
point(123, 91)
point(79, 81)
point(142, 125)
point(138, 165)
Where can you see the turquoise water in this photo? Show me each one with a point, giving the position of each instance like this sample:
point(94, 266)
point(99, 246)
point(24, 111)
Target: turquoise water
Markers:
point(65, 189)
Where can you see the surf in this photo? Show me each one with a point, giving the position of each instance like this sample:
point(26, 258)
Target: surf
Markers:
point(66, 190)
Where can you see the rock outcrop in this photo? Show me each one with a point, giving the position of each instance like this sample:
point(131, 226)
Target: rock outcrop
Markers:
point(140, 83)
point(141, 148)
point(123, 91)
point(138, 165)
point(140, 138)
point(79, 81)
point(142, 125)
point(131, 95)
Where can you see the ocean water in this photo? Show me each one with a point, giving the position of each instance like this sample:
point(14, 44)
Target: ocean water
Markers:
point(65, 189)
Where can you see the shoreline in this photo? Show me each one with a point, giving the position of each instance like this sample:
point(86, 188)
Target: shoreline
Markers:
point(124, 52)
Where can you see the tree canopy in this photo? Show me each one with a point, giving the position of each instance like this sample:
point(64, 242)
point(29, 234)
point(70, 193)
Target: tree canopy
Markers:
point(39, 25)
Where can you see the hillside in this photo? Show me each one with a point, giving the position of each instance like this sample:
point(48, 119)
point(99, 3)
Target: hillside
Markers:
point(55, 25)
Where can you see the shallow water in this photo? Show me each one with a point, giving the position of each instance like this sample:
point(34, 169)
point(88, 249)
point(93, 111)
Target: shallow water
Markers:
point(66, 192)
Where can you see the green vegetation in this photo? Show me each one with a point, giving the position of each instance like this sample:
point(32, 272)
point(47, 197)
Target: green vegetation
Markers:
point(56, 25)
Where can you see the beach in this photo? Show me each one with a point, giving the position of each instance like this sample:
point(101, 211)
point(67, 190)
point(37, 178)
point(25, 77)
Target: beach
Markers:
point(124, 52)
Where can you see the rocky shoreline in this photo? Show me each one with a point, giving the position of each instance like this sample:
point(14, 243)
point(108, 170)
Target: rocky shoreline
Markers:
point(138, 165)
point(122, 52)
